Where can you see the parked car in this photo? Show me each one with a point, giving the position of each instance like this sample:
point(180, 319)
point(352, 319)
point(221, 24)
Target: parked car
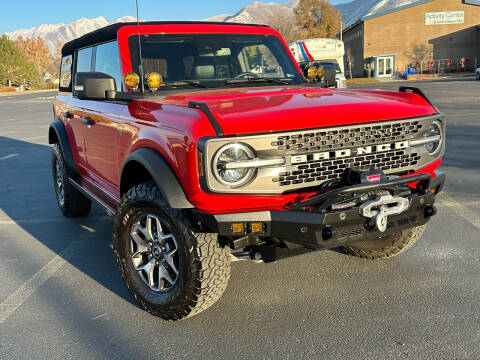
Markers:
point(477, 73)
point(166, 128)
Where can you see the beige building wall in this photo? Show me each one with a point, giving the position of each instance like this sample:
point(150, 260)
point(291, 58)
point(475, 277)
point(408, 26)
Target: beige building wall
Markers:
point(405, 34)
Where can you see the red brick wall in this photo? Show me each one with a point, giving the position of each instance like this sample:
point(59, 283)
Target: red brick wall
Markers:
point(405, 34)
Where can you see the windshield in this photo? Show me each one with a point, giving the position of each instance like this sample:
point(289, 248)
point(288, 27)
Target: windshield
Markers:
point(317, 63)
point(214, 60)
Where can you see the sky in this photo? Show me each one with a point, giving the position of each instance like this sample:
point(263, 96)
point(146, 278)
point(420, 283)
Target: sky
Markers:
point(24, 14)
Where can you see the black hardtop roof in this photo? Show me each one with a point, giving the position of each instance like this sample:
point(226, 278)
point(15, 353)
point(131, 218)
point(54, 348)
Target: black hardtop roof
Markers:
point(109, 33)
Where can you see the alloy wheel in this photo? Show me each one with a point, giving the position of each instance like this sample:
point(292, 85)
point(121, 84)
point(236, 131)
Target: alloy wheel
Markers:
point(154, 253)
point(59, 184)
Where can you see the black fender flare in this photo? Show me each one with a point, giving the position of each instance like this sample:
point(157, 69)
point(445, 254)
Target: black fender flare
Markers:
point(58, 128)
point(163, 176)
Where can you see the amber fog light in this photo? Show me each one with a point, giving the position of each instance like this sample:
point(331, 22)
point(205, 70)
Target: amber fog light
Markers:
point(320, 72)
point(154, 81)
point(238, 228)
point(131, 81)
point(312, 72)
point(257, 228)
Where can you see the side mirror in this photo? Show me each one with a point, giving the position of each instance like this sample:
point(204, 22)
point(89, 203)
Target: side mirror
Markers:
point(94, 86)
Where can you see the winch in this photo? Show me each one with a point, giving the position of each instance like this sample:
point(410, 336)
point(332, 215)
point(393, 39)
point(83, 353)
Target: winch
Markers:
point(376, 195)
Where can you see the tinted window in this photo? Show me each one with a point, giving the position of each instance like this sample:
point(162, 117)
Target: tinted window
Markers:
point(84, 60)
point(107, 61)
point(66, 73)
point(260, 60)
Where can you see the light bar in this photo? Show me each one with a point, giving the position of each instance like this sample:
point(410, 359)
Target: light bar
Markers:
point(254, 163)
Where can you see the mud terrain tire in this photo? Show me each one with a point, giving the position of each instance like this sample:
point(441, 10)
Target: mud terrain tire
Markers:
point(386, 247)
point(204, 266)
point(71, 202)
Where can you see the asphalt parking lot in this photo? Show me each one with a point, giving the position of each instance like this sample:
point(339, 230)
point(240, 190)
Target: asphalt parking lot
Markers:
point(61, 295)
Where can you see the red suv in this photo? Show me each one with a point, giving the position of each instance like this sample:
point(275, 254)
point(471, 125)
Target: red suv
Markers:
point(207, 142)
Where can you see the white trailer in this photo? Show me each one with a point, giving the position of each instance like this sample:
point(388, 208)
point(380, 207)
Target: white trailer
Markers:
point(321, 52)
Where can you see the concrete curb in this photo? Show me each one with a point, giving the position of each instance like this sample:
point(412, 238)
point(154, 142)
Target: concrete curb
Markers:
point(26, 92)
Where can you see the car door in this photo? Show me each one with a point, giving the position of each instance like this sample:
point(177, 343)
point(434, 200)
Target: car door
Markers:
point(73, 115)
point(102, 131)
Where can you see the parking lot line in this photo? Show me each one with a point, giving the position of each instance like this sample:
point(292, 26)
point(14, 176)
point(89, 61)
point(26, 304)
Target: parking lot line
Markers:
point(19, 296)
point(460, 209)
point(6, 222)
point(9, 156)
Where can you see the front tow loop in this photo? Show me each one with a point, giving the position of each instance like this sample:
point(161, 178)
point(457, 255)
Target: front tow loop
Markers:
point(381, 208)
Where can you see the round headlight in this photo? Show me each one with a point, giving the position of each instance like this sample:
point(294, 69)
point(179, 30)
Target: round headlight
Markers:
point(230, 154)
point(434, 131)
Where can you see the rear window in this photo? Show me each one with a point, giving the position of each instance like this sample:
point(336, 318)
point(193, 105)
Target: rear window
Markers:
point(66, 73)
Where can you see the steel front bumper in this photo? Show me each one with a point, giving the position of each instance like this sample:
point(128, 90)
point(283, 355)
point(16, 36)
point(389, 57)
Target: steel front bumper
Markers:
point(322, 230)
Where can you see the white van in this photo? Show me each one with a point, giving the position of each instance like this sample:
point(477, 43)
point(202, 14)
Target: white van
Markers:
point(321, 52)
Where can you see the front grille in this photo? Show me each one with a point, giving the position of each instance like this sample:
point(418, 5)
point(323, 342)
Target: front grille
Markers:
point(309, 172)
point(348, 137)
point(314, 156)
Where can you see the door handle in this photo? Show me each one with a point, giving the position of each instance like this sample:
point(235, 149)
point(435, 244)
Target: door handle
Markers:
point(88, 121)
point(67, 115)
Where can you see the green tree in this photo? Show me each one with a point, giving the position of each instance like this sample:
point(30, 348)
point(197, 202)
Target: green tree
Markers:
point(318, 19)
point(15, 67)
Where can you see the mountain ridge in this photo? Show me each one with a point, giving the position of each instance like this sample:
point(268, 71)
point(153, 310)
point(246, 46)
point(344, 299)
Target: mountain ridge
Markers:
point(256, 12)
point(60, 32)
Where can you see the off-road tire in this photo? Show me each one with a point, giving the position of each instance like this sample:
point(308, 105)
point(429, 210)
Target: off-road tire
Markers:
point(74, 202)
point(204, 265)
point(386, 247)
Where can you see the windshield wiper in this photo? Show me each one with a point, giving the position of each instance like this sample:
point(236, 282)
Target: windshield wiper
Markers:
point(275, 81)
point(186, 83)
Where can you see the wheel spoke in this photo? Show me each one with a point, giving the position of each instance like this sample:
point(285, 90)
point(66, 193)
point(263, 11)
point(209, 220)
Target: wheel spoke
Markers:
point(141, 243)
point(137, 260)
point(150, 220)
point(164, 274)
point(149, 268)
point(170, 262)
point(159, 227)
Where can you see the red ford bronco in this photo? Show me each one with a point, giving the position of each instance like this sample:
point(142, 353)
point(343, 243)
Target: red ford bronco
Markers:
point(207, 142)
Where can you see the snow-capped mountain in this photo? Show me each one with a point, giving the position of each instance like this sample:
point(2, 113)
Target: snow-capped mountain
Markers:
point(263, 13)
point(256, 13)
point(54, 33)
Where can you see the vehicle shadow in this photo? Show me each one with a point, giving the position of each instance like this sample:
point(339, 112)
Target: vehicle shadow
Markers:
point(28, 199)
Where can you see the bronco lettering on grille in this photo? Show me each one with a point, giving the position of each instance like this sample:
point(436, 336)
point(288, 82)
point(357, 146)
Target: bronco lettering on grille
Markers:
point(297, 159)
